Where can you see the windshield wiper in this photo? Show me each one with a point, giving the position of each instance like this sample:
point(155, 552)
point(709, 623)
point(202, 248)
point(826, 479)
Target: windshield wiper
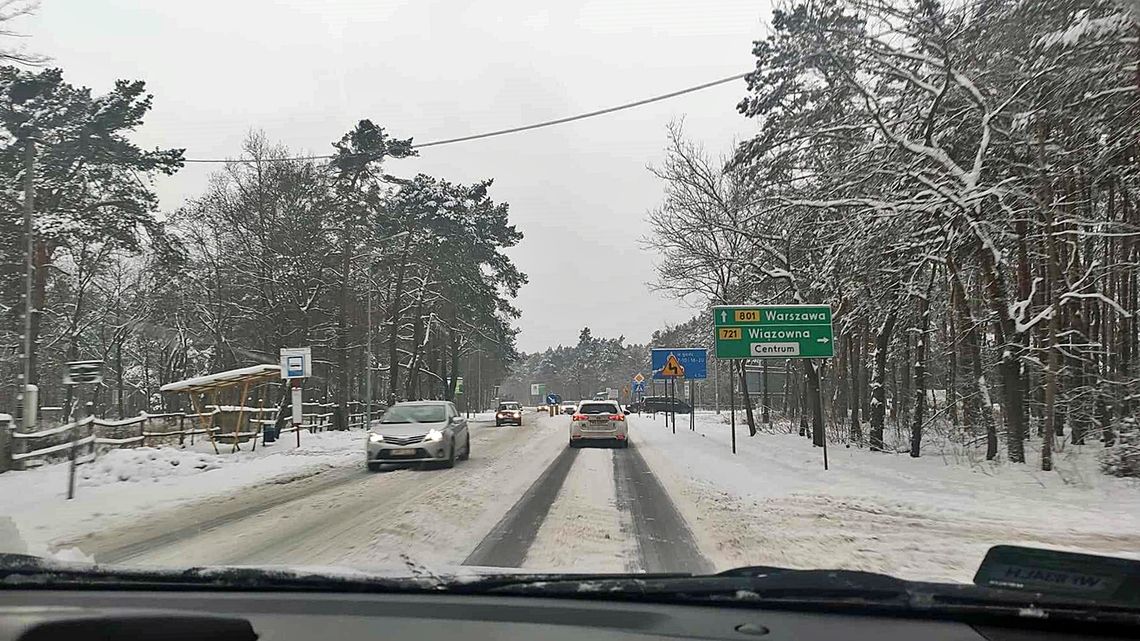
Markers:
point(838, 590)
point(756, 586)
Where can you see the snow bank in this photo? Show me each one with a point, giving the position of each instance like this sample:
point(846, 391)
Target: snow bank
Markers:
point(929, 518)
point(121, 486)
point(146, 464)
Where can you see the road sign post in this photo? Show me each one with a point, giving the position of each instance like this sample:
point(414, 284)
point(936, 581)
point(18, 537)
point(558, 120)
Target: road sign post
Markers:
point(772, 331)
point(671, 363)
point(732, 402)
point(80, 373)
point(297, 365)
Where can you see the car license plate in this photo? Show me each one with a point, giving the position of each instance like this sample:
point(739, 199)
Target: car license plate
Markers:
point(599, 421)
point(405, 451)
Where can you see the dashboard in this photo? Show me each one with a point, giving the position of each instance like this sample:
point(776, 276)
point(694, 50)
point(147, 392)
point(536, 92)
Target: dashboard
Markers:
point(43, 615)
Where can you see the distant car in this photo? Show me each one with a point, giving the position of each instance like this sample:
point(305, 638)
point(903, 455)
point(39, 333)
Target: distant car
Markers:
point(599, 421)
point(653, 404)
point(418, 431)
point(569, 408)
point(508, 412)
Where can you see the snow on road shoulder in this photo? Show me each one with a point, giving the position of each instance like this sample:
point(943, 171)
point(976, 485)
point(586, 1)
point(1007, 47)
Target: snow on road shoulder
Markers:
point(583, 532)
point(122, 486)
point(927, 518)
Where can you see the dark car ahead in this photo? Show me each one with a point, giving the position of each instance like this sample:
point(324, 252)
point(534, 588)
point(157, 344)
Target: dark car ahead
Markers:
point(652, 404)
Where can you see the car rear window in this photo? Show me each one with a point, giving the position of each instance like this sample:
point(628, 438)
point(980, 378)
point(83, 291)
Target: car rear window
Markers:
point(598, 408)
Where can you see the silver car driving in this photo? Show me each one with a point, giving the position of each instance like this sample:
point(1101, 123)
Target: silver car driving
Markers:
point(418, 431)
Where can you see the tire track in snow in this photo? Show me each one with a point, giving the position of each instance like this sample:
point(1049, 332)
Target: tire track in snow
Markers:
point(664, 541)
point(507, 544)
point(335, 520)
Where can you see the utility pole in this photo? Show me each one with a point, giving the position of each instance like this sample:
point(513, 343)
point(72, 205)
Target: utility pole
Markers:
point(29, 271)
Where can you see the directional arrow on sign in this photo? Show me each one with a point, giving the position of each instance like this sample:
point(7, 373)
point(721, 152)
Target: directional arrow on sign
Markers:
point(724, 317)
point(823, 339)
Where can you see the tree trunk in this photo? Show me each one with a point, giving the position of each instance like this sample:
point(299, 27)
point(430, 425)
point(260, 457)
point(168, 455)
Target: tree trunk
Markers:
point(920, 369)
point(341, 416)
point(906, 375)
point(952, 370)
point(747, 402)
point(765, 416)
point(815, 402)
point(878, 380)
point(394, 326)
point(1013, 395)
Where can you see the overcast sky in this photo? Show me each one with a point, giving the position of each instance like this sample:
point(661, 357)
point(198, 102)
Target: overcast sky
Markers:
point(305, 71)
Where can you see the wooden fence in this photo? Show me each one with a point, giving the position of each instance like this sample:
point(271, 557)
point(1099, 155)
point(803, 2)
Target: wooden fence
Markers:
point(227, 425)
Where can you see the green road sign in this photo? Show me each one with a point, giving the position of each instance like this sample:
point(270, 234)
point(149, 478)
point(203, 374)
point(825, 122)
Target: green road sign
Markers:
point(773, 331)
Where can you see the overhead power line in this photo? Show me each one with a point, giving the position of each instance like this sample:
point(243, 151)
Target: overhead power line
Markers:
point(512, 130)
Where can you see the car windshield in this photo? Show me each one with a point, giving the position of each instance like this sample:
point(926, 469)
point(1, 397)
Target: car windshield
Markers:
point(866, 275)
point(414, 414)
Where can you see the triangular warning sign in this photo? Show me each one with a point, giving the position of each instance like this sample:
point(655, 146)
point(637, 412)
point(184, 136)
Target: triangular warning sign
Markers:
point(673, 368)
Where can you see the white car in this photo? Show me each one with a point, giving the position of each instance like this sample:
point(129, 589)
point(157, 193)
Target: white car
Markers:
point(569, 407)
point(599, 421)
point(418, 431)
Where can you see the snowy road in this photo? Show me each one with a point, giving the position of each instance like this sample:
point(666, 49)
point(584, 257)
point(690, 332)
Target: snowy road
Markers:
point(524, 499)
point(671, 502)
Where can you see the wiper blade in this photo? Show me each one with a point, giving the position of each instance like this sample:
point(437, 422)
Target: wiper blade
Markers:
point(24, 571)
point(865, 592)
point(740, 582)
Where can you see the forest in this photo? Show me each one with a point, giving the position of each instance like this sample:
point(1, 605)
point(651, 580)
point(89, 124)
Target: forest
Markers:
point(278, 251)
point(958, 181)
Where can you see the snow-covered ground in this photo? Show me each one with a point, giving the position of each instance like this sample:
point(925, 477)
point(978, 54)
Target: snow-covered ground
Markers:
point(124, 485)
point(929, 518)
point(584, 531)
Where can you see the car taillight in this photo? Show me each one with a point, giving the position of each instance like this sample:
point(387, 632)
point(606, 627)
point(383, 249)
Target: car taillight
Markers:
point(617, 417)
point(580, 417)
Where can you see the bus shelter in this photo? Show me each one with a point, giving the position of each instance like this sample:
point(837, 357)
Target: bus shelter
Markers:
point(222, 386)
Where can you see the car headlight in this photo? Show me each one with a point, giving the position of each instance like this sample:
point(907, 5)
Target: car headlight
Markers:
point(375, 438)
point(434, 436)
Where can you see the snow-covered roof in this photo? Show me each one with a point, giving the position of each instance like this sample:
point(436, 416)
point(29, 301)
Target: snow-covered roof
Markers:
point(251, 374)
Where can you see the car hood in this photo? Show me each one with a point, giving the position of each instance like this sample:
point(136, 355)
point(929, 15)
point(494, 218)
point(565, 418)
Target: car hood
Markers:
point(407, 429)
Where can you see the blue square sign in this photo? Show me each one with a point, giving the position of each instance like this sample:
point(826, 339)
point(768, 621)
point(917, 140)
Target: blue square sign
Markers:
point(680, 362)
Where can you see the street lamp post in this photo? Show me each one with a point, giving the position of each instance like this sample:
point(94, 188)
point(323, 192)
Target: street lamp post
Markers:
point(368, 334)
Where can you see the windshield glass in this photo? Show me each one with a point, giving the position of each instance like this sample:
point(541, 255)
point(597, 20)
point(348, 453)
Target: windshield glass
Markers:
point(865, 274)
point(414, 414)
